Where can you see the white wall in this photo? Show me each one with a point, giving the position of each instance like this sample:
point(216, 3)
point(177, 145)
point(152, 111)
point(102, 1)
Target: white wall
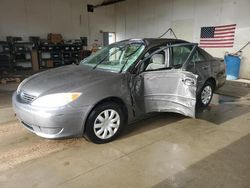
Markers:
point(69, 17)
point(129, 19)
point(150, 18)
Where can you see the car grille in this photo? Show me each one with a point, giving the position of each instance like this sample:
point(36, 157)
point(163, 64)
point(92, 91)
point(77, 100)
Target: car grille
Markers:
point(27, 98)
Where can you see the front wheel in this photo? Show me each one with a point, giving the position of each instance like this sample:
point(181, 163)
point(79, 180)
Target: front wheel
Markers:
point(206, 94)
point(105, 123)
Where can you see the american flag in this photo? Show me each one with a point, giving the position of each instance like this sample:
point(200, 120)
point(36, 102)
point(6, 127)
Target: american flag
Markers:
point(217, 36)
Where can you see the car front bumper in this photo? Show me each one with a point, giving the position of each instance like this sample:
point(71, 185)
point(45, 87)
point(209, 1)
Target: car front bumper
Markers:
point(51, 123)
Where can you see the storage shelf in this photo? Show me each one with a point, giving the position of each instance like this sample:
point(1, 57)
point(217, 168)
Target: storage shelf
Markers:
point(57, 54)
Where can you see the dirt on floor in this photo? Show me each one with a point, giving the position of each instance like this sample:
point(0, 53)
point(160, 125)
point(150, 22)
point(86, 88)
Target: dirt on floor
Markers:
point(26, 148)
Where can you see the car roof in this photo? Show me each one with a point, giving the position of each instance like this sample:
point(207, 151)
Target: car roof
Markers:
point(151, 42)
point(163, 41)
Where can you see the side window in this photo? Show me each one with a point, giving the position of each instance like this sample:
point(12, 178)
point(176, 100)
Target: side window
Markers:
point(156, 61)
point(197, 57)
point(180, 55)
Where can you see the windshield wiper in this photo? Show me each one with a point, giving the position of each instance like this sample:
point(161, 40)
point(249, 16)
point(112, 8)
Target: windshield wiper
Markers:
point(130, 56)
point(108, 55)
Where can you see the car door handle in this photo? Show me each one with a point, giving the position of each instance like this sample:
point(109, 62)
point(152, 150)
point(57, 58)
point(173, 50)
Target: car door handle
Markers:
point(188, 81)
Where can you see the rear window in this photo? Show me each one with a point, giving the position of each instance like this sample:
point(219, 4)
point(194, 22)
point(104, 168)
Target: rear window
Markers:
point(206, 55)
point(180, 55)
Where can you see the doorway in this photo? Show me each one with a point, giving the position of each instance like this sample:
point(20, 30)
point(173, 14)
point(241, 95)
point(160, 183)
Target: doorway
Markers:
point(108, 38)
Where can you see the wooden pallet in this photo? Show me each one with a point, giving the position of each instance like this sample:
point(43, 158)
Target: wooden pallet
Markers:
point(10, 79)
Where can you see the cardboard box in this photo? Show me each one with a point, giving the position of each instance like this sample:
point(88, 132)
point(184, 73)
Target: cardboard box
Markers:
point(55, 37)
point(49, 64)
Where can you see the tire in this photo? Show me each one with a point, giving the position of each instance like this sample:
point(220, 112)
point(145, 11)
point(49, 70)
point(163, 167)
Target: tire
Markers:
point(206, 94)
point(105, 123)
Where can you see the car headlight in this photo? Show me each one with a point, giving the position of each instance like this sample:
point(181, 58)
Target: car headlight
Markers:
point(55, 100)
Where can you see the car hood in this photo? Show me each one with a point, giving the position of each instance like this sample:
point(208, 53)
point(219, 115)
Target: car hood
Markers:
point(70, 78)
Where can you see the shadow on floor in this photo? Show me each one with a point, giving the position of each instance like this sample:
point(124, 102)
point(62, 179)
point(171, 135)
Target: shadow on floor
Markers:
point(228, 167)
point(151, 122)
point(223, 109)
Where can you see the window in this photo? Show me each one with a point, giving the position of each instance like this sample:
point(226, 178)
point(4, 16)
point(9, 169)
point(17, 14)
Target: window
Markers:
point(117, 57)
point(180, 55)
point(197, 57)
point(156, 61)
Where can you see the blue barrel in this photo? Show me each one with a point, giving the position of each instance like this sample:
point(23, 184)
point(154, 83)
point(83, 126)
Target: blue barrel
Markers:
point(232, 66)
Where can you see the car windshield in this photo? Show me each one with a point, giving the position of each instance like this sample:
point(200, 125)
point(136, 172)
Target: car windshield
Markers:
point(117, 57)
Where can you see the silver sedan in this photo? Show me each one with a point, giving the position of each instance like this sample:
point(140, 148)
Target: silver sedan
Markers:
point(113, 87)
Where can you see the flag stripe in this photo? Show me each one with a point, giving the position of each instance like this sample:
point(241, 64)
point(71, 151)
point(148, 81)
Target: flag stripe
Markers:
point(216, 43)
point(227, 29)
point(224, 36)
point(223, 26)
point(222, 33)
point(217, 46)
point(216, 40)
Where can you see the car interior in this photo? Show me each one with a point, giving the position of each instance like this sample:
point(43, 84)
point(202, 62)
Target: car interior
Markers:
point(157, 61)
point(180, 54)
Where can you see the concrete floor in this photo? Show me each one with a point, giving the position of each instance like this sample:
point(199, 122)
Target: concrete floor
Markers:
point(168, 150)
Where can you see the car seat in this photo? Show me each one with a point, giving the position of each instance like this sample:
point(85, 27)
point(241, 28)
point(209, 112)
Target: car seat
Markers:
point(157, 61)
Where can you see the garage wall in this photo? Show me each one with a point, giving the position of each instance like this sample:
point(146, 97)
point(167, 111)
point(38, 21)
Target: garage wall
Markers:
point(69, 17)
point(147, 18)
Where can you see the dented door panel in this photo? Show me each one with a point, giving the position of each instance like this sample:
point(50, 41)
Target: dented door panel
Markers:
point(170, 91)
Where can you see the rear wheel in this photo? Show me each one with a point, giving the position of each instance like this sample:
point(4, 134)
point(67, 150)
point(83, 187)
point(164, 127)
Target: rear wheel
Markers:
point(105, 123)
point(206, 94)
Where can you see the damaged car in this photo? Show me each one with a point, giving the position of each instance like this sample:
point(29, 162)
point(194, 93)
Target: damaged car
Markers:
point(123, 81)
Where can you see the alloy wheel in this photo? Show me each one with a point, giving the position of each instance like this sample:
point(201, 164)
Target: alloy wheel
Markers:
point(206, 94)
